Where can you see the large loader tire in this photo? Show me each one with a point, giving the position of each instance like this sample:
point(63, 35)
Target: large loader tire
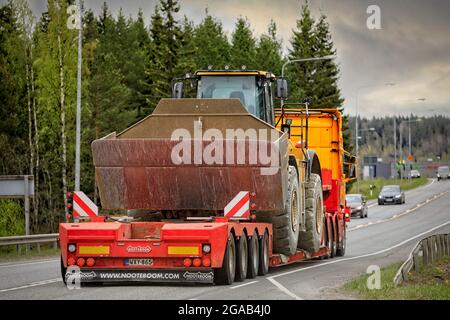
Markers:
point(286, 225)
point(310, 239)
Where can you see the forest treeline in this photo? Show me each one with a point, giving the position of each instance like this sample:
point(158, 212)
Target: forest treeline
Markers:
point(430, 137)
point(128, 66)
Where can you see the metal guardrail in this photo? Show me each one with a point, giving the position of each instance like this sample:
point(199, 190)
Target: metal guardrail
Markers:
point(37, 239)
point(426, 251)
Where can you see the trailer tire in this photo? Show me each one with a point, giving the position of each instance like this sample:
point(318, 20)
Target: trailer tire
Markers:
point(241, 258)
point(263, 255)
point(340, 251)
point(286, 225)
point(253, 256)
point(63, 272)
point(225, 274)
point(333, 242)
point(310, 239)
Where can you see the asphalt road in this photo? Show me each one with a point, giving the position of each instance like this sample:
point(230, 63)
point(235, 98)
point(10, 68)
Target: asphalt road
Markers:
point(385, 237)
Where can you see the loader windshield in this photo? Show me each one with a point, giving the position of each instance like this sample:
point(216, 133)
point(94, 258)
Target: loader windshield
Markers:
point(244, 88)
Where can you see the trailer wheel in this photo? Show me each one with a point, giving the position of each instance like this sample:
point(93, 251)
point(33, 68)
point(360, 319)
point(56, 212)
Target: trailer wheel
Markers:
point(241, 258)
point(225, 275)
point(286, 226)
point(333, 244)
point(253, 256)
point(263, 255)
point(340, 251)
point(63, 272)
point(310, 239)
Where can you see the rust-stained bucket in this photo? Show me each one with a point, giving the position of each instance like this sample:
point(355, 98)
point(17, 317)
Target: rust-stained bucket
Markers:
point(192, 155)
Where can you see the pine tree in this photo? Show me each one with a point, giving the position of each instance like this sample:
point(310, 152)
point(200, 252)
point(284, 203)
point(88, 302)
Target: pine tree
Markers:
point(269, 56)
point(303, 45)
point(212, 44)
point(243, 46)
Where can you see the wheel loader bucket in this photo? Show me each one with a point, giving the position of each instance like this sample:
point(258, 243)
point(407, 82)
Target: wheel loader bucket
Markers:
point(192, 155)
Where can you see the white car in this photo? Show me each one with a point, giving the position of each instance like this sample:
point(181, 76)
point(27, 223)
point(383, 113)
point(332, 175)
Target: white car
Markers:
point(414, 174)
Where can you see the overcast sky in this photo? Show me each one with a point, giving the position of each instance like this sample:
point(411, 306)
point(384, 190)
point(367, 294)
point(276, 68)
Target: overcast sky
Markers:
point(412, 49)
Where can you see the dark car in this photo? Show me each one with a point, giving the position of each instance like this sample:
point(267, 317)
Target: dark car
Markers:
point(358, 204)
point(443, 173)
point(391, 194)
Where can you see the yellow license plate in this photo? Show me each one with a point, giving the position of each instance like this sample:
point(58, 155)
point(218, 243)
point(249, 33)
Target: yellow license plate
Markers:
point(93, 250)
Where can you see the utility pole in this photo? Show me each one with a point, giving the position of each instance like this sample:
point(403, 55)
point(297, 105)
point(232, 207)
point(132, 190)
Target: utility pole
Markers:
point(395, 147)
point(78, 113)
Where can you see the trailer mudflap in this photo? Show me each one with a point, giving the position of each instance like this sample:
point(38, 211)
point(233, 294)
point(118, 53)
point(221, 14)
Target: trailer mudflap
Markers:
point(141, 275)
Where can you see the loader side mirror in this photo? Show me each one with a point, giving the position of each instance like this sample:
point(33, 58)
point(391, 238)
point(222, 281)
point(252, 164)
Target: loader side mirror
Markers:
point(177, 90)
point(282, 89)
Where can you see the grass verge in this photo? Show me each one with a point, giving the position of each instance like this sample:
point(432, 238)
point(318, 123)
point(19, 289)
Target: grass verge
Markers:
point(11, 254)
point(405, 184)
point(431, 283)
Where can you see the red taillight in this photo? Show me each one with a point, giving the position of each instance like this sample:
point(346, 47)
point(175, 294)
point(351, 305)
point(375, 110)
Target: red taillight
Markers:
point(90, 262)
point(81, 262)
point(206, 262)
point(71, 261)
point(187, 262)
point(197, 262)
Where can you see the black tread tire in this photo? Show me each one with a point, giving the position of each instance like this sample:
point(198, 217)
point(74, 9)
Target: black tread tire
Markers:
point(263, 255)
point(253, 256)
point(286, 232)
point(63, 272)
point(225, 274)
point(340, 251)
point(333, 245)
point(241, 258)
point(310, 239)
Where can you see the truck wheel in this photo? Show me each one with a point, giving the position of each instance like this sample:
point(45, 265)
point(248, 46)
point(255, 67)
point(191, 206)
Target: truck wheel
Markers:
point(263, 255)
point(241, 258)
point(286, 225)
point(253, 256)
point(333, 244)
point(63, 272)
point(340, 252)
point(225, 274)
point(309, 240)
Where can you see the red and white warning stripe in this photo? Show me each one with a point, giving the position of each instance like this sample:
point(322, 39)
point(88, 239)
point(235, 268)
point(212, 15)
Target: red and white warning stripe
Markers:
point(83, 206)
point(239, 207)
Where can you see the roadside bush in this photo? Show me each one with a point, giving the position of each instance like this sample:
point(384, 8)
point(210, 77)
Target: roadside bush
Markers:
point(11, 218)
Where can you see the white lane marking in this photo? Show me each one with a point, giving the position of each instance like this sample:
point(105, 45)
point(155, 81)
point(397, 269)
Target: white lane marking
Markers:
point(34, 284)
point(432, 181)
point(27, 263)
point(244, 284)
point(284, 289)
point(364, 255)
point(396, 216)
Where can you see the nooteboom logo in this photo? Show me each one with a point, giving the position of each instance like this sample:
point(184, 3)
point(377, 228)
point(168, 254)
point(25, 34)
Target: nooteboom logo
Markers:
point(139, 249)
point(198, 276)
point(227, 146)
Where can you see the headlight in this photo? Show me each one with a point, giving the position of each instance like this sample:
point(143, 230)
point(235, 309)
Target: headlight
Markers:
point(380, 197)
point(71, 248)
point(398, 196)
point(438, 175)
point(206, 248)
point(359, 208)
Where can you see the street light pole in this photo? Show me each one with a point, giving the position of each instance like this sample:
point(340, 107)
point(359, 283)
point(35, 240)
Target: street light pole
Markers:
point(78, 112)
point(330, 57)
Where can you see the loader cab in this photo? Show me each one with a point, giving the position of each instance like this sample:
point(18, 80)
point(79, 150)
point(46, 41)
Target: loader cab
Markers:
point(252, 88)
